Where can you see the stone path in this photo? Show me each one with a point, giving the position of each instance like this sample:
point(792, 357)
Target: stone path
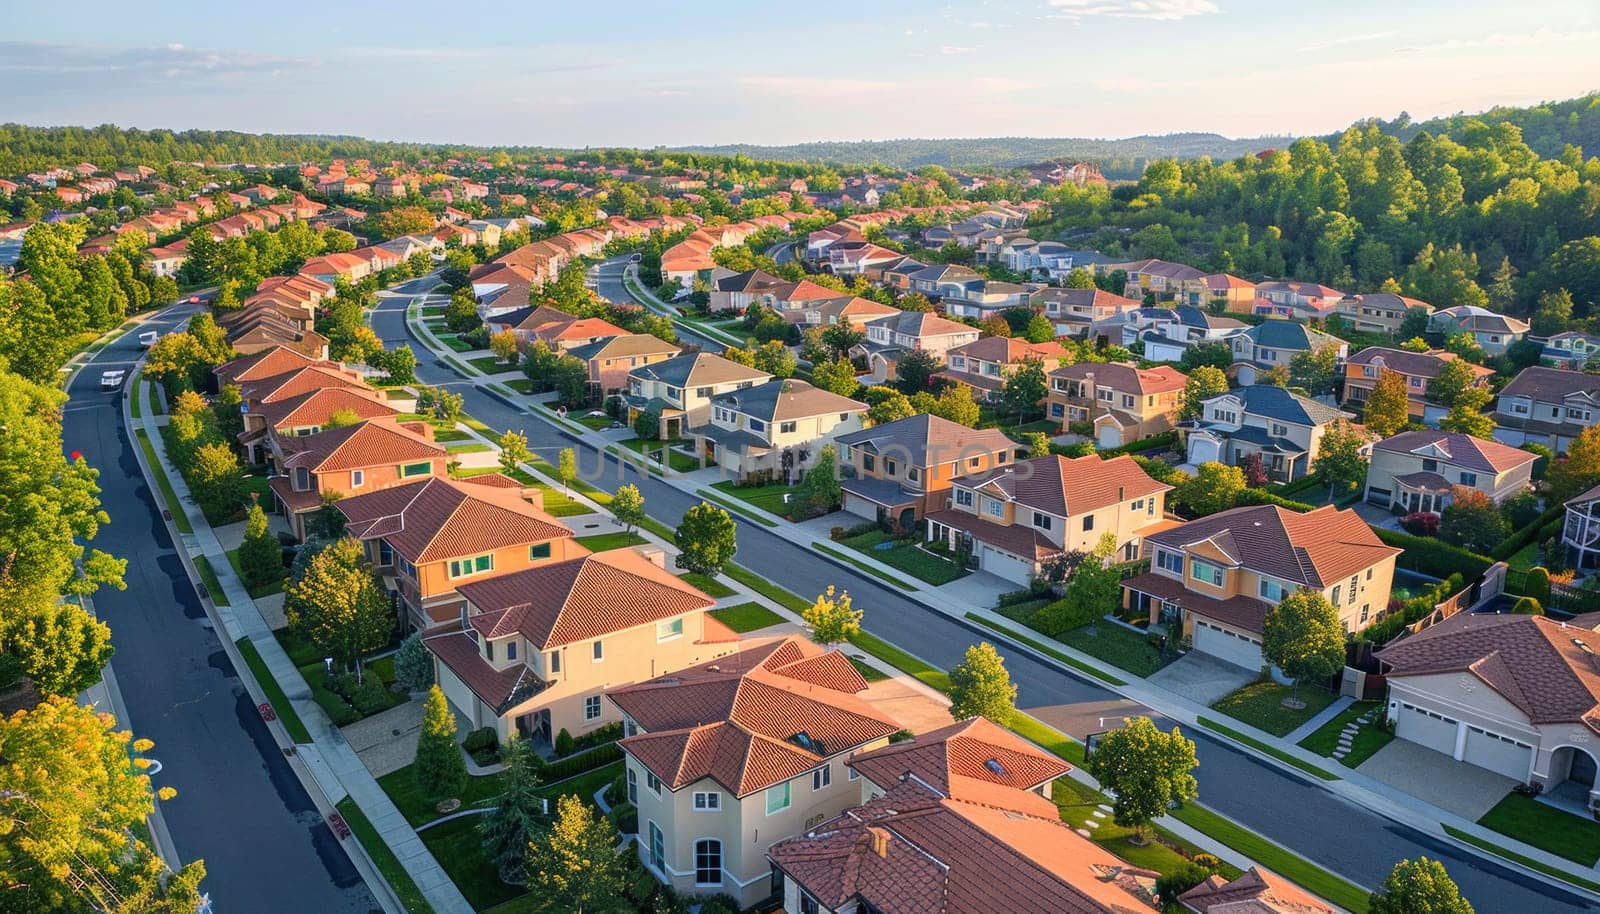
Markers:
point(1347, 736)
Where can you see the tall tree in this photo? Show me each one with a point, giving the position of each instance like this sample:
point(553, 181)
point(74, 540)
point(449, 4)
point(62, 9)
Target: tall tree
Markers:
point(339, 605)
point(260, 557)
point(517, 818)
point(833, 618)
point(980, 686)
point(1147, 771)
point(1315, 370)
point(513, 452)
point(578, 866)
point(1420, 886)
point(1303, 636)
point(837, 376)
point(955, 403)
point(1554, 313)
point(1340, 463)
point(439, 767)
point(1024, 390)
point(1472, 521)
point(216, 480)
point(59, 646)
point(916, 369)
point(1215, 487)
point(1388, 410)
point(1469, 415)
point(1579, 470)
point(1454, 377)
point(819, 492)
point(1203, 383)
point(706, 539)
point(627, 506)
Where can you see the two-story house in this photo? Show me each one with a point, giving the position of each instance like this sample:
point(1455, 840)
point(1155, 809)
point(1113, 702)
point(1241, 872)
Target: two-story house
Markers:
point(1362, 371)
point(899, 471)
point(612, 359)
point(1378, 312)
point(267, 363)
point(1272, 343)
point(1303, 301)
point(1014, 518)
point(774, 430)
point(1075, 311)
point(679, 390)
point(984, 365)
point(1420, 470)
point(540, 646)
point(557, 329)
point(1230, 293)
point(1569, 349)
point(430, 536)
point(835, 309)
point(306, 414)
point(909, 331)
point(1219, 575)
point(364, 457)
point(1163, 280)
point(1124, 403)
point(1546, 406)
point(1285, 428)
point(727, 758)
point(1166, 333)
point(1493, 332)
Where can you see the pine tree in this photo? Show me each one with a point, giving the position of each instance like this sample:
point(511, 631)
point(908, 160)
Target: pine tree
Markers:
point(260, 558)
point(517, 817)
point(413, 664)
point(439, 767)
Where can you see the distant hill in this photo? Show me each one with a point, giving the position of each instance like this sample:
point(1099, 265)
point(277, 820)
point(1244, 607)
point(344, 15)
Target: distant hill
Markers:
point(1546, 127)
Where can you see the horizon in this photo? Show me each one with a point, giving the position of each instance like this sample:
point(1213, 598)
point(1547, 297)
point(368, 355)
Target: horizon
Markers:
point(719, 76)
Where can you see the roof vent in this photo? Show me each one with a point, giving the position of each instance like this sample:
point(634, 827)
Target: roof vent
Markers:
point(714, 668)
point(995, 767)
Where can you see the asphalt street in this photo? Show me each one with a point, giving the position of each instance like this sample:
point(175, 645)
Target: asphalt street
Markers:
point(239, 806)
point(612, 288)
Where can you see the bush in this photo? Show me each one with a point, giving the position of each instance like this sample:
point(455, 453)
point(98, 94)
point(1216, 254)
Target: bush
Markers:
point(1265, 497)
point(369, 697)
point(1421, 523)
point(720, 904)
point(1435, 557)
point(1537, 584)
point(1401, 614)
point(609, 733)
point(564, 743)
point(617, 790)
point(1182, 879)
point(1016, 596)
point(625, 817)
point(1544, 526)
point(561, 769)
point(481, 740)
point(1528, 606)
point(1163, 441)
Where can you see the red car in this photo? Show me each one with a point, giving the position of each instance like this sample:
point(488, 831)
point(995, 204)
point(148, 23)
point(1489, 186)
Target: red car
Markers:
point(337, 823)
point(267, 714)
point(194, 299)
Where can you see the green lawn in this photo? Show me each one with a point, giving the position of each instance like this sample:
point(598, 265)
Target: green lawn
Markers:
point(275, 697)
point(677, 460)
point(401, 786)
point(450, 435)
point(864, 567)
point(907, 556)
point(1266, 749)
point(1368, 740)
point(474, 447)
point(766, 588)
point(868, 672)
point(768, 498)
point(709, 585)
point(300, 649)
point(168, 494)
point(1123, 649)
point(736, 507)
point(520, 385)
point(489, 364)
point(384, 859)
point(208, 576)
point(1517, 858)
point(155, 400)
point(1078, 802)
point(1524, 558)
point(1270, 855)
point(1047, 650)
point(602, 542)
point(265, 590)
point(459, 849)
point(932, 676)
point(1545, 827)
point(1260, 704)
point(454, 342)
point(746, 617)
point(137, 398)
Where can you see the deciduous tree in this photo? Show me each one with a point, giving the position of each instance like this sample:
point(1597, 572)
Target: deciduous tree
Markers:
point(1204, 383)
point(260, 557)
point(833, 618)
point(1420, 886)
point(513, 452)
point(1215, 487)
point(627, 506)
point(837, 376)
point(1146, 769)
point(1388, 409)
point(1024, 390)
point(1303, 637)
point(980, 686)
point(339, 605)
point(578, 866)
point(706, 539)
point(1340, 463)
point(1472, 521)
point(216, 480)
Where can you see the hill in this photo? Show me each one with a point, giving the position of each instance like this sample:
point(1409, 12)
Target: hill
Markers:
point(1546, 127)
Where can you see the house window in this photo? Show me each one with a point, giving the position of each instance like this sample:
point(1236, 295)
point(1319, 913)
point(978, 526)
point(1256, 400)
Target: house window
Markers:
point(422, 468)
point(778, 798)
point(889, 466)
point(964, 497)
point(1127, 402)
point(868, 462)
point(652, 782)
point(1171, 561)
point(555, 661)
point(633, 787)
point(358, 478)
point(702, 391)
point(994, 507)
point(538, 551)
point(1430, 465)
point(511, 650)
point(821, 778)
point(1335, 599)
point(597, 652)
point(1042, 521)
point(460, 568)
point(914, 474)
point(591, 708)
point(1271, 590)
point(786, 428)
point(708, 862)
point(707, 801)
point(488, 649)
point(385, 553)
point(658, 849)
point(1206, 572)
point(1365, 608)
point(1469, 479)
point(1353, 581)
point(973, 462)
point(669, 629)
point(1280, 429)
point(1088, 523)
point(756, 425)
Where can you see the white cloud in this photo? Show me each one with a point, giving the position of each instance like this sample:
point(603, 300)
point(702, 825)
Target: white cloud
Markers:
point(952, 49)
point(1160, 10)
point(1340, 42)
point(1501, 40)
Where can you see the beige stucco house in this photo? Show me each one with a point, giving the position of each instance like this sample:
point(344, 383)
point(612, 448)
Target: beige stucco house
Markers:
point(679, 389)
point(774, 429)
point(1418, 470)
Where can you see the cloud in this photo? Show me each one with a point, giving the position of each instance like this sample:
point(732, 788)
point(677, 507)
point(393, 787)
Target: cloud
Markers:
point(952, 49)
point(1340, 42)
point(55, 68)
point(1160, 10)
point(1501, 40)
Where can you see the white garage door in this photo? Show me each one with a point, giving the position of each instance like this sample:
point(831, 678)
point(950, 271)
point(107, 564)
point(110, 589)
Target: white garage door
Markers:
point(1425, 728)
point(1499, 754)
point(860, 507)
point(1204, 450)
point(1110, 435)
point(1004, 565)
point(1219, 642)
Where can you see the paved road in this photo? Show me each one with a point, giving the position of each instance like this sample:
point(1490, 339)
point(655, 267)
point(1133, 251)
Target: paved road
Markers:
point(613, 289)
point(239, 806)
point(1295, 812)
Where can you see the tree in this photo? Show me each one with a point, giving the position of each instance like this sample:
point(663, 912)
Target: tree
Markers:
point(1092, 588)
point(1453, 378)
point(177, 362)
point(1216, 487)
point(1038, 444)
point(1469, 415)
point(260, 557)
point(344, 417)
point(627, 506)
point(567, 469)
point(1213, 354)
point(981, 687)
point(1079, 278)
point(1579, 470)
point(513, 452)
point(1388, 409)
point(1315, 370)
point(1340, 463)
point(1472, 521)
point(504, 346)
point(1554, 313)
point(439, 767)
point(915, 370)
point(59, 646)
point(517, 818)
point(578, 867)
point(1039, 329)
point(413, 664)
point(774, 358)
point(216, 480)
point(832, 619)
point(1024, 389)
point(461, 315)
point(1303, 636)
point(1204, 383)
point(1147, 771)
point(1254, 469)
point(819, 492)
point(339, 605)
point(1420, 886)
point(888, 405)
point(955, 403)
point(647, 424)
point(706, 539)
point(838, 376)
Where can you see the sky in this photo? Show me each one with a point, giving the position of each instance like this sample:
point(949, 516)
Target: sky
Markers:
point(701, 72)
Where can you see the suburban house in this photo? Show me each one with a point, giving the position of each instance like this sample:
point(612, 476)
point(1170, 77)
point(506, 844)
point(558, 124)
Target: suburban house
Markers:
point(555, 328)
point(835, 309)
point(955, 821)
point(1580, 532)
point(1014, 518)
point(900, 471)
point(1378, 312)
point(1362, 370)
point(985, 364)
point(775, 429)
point(909, 331)
point(1166, 333)
point(1163, 280)
point(1492, 332)
point(431, 535)
point(539, 647)
point(611, 359)
point(265, 364)
point(1075, 311)
point(679, 389)
point(725, 759)
point(365, 457)
point(738, 291)
point(1420, 470)
point(1570, 349)
point(1219, 575)
point(1516, 694)
point(1546, 406)
point(1272, 343)
point(1230, 293)
point(1285, 428)
point(306, 414)
point(1123, 403)
point(1255, 891)
point(1296, 300)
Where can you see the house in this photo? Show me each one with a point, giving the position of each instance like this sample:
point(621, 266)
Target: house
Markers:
point(539, 647)
point(1014, 518)
point(365, 457)
point(679, 389)
point(1075, 311)
point(264, 364)
point(1546, 406)
point(985, 364)
point(1255, 891)
point(901, 470)
point(1420, 470)
point(1219, 575)
point(1362, 370)
point(909, 331)
point(1294, 300)
point(775, 429)
point(1515, 694)
point(1569, 349)
point(724, 759)
point(1580, 532)
point(1124, 403)
point(1162, 280)
point(1230, 294)
point(428, 537)
point(831, 310)
point(1273, 343)
point(955, 821)
point(1284, 428)
point(1166, 333)
point(555, 328)
point(852, 258)
point(1378, 312)
point(612, 358)
point(1493, 333)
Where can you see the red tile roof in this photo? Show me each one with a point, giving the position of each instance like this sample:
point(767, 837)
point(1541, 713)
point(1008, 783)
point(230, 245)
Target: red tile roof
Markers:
point(317, 407)
point(1066, 486)
point(365, 444)
point(1318, 548)
point(440, 519)
point(1255, 891)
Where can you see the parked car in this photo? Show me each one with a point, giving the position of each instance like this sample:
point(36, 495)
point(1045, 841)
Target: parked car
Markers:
point(148, 338)
point(112, 379)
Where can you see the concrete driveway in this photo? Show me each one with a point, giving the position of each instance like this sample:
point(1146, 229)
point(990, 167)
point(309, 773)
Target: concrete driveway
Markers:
point(1466, 790)
point(1202, 677)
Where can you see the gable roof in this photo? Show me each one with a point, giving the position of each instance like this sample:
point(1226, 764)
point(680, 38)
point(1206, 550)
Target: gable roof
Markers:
point(1421, 364)
point(440, 518)
point(1318, 548)
point(1460, 449)
point(1550, 384)
point(925, 439)
point(973, 760)
point(1126, 378)
point(316, 407)
point(1007, 350)
point(1255, 891)
point(694, 369)
point(364, 444)
point(1282, 334)
point(787, 398)
point(1277, 403)
point(631, 344)
point(1066, 486)
point(265, 364)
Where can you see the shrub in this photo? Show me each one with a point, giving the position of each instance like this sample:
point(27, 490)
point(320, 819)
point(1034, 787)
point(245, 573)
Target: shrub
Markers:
point(617, 790)
point(1421, 523)
point(1435, 557)
point(413, 664)
point(609, 733)
point(564, 743)
point(1528, 606)
point(720, 904)
point(560, 769)
point(1183, 879)
point(625, 817)
point(481, 740)
point(1537, 584)
point(369, 697)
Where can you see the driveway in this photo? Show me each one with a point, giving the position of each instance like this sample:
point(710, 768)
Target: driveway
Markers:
point(910, 707)
point(386, 741)
point(1202, 677)
point(1466, 790)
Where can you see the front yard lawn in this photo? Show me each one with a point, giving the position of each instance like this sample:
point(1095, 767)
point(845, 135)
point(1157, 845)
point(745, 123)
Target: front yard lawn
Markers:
point(1260, 704)
point(454, 342)
point(459, 849)
point(677, 460)
point(1368, 740)
point(1078, 802)
point(401, 786)
point(908, 556)
point(450, 435)
point(474, 447)
point(520, 385)
point(1123, 649)
point(709, 585)
point(603, 542)
point(768, 498)
point(1545, 827)
point(746, 617)
point(489, 364)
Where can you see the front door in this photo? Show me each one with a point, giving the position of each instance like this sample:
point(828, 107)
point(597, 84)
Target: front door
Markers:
point(1583, 769)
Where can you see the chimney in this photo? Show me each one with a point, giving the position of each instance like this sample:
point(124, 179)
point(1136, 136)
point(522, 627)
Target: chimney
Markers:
point(655, 555)
point(880, 841)
point(1120, 493)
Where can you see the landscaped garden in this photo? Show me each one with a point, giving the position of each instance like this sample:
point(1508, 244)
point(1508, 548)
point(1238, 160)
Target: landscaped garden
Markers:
point(1117, 645)
point(906, 555)
point(1545, 827)
point(769, 498)
point(1367, 741)
point(653, 449)
point(1260, 704)
point(602, 542)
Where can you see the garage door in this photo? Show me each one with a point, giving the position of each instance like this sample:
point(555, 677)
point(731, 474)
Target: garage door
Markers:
point(1004, 565)
point(860, 507)
point(1219, 642)
point(1499, 754)
point(1425, 728)
point(1110, 435)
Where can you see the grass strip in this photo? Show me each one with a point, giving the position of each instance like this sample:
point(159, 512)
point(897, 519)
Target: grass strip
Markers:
point(744, 511)
point(389, 866)
point(275, 697)
point(1311, 877)
point(208, 576)
point(136, 398)
point(863, 566)
point(1267, 749)
point(902, 660)
point(708, 585)
point(746, 617)
point(1048, 651)
point(766, 588)
point(1520, 860)
point(174, 507)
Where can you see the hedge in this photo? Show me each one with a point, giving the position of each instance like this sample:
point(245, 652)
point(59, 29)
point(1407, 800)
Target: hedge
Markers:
point(577, 764)
point(1264, 497)
point(1164, 440)
point(1299, 485)
point(1435, 557)
point(1531, 533)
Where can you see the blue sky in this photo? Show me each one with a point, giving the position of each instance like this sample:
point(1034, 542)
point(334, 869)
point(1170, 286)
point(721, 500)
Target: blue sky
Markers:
point(649, 73)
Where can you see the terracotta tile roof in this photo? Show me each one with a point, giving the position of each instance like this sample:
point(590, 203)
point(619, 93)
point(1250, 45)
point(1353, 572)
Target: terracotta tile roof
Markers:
point(499, 689)
point(298, 502)
point(1255, 891)
point(925, 439)
point(1126, 378)
point(318, 406)
point(295, 382)
point(1318, 548)
point(441, 519)
point(768, 713)
point(265, 364)
point(1020, 540)
point(365, 444)
point(1240, 611)
point(1459, 449)
point(1006, 350)
point(580, 599)
point(1066, 486)
point(972, 760)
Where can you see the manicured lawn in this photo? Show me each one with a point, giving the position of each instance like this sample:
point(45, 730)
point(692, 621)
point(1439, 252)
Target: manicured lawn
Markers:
point(1514, 857)
point(766, 588)
point(1545, 827)
point(300, 650)
point(907, 556)
point(449, 435)
point(274, 692)
point(1524, 558)
point(419, 809)
point(1123, 649)
point(864, 567)
point(168, 495)
point(746, 617)
point(602, 542)
point(155, 400)
point(739, 509)
point(768, 498)
point(1266, 749)
point(384, 859)
point(1260, 704)
point(475, 447)
point(1046, 649)
point(489, 364)
point(709, 585)
point(134, 402)
point(459, 849)
point(677, 460)
point(208, 576)
point(265, 590)
point(1078, 802)
point(868, 672)
point(520, 385)
point(454, 342)
point(1368, 740)
point(1267, 853)
point(869, 643)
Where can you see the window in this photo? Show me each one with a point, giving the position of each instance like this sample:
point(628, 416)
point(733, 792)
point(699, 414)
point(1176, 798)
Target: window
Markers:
point(597, 652)
point(852, 773)
point(1127, 401)
point(652, 782)
point(1171, 561)
point(1056, 412)
point(708, 862)
point(778, 798)
point(786, 428)
point(756, 425)
point(358, 478)
point(488, 649)
point(1351, 596)
point(385, 553)
point(591, 708)
point(633, 787)
point(538, 551)
point(821, 778)
point(1088, 523)
point(1430, 465)
point(555, 661)
point(1335, 599)
point(406, 568)
point(1271, 590)
point(973, 462)
point(707, 801)
point(914, 474)
point(964, 497)
point(460, 568)
point(422, 468)
point(994, 507)
point(658, 848)
point(1042, 521)
point(1279, 429)
point(669, 629)
point(1469, 479)
point(1206, 572)
point(703, 391)
point(511, 650)
point(868, 462)
point(889, 466)
point(1364, 612)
